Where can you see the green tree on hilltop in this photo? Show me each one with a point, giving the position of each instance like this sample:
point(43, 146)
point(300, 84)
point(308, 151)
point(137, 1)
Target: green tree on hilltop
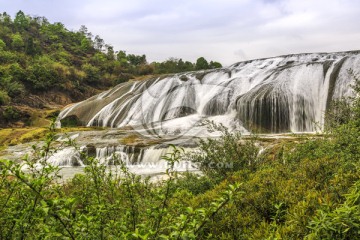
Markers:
point(201, 63)
point(21, 21)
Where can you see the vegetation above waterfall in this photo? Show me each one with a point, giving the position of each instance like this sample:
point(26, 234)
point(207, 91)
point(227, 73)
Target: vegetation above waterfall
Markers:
point(45, 65)
point(307, 189)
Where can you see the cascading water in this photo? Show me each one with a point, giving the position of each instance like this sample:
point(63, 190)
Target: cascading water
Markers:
point(275, 95)
point(281, 94)
point(66, 157)
point(138, 160)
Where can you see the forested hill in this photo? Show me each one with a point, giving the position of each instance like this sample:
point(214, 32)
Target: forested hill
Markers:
point(43, 65)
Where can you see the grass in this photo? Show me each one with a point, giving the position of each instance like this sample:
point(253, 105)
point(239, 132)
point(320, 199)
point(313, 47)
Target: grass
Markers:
point(14, 136)
point(130, 140)
point(136, 140)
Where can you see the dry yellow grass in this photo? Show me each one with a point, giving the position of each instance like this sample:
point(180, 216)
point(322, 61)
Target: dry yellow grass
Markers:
point(13, 136)
point(130, 139)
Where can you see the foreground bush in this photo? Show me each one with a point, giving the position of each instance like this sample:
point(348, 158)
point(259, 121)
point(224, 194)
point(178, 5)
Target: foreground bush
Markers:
point(300, 190)
point(98, 204)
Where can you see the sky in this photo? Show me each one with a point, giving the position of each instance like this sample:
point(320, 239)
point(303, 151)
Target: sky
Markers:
point(227, 31)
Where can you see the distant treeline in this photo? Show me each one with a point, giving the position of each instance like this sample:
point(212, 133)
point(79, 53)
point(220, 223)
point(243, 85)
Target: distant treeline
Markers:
point(36, 56)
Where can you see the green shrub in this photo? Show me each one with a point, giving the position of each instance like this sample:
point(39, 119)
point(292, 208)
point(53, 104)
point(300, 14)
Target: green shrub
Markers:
point(13, 88)
point(42, 75)
point(218, 157)
point(10, 113)
point(70, 121)
point(343, 222)
point(17, 42)
point(194, 183)
point(98, 204)
point(92, 73)
point(339, 113)
point(2, 44)
point(4, 98)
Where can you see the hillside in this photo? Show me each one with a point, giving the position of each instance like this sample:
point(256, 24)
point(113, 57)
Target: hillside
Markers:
point(43, 65)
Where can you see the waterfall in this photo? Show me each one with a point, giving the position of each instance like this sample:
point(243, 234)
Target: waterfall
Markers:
point(281, 94)
point(66, 157)
point(140, 159)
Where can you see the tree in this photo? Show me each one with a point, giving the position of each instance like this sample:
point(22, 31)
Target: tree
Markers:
point(2, 44)
point(17, 42)
point(213, 65)
point(185, 66)
point(201, 63)
point(85, 32)
point(110, 52)
point(4, 98)
point(13, 88)
point(122, 58)
point(85, 44)
point(21, 21)
point(188, 66)
point(169, 66)
point(17, 72)
point(41, 74)
point(99, 42)
point(31, 48)
point(136, 60)
point(98, 59)
point(5, 18)
point(92, 73)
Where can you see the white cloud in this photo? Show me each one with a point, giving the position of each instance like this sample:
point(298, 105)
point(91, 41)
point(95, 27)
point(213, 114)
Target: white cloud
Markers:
point(222, 30)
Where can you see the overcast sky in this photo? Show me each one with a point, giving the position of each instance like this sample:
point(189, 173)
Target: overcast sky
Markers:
point(222, 30)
